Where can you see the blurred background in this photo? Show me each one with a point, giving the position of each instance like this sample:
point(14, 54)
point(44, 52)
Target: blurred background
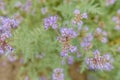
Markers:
point(35, 51)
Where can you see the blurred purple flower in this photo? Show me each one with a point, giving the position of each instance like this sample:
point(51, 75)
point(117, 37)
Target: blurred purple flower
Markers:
point(78, 18)
point(99, 62)
point(68, 32)
point(58, 74)
point(1, 51)
point(18, 4)
point(44, 10)
point(101, 35)
point(86, 43)
point(79, 54)
point(64, 53)
point(18, 18)
point(2, 5)
point(51, 22)
point(12, 58)
point(27, 6)
point(116, 19)
point(73, 49)
point(76, 11)
point(84, 15)
point(110, 2)
point(26, 78)
point(70, 59)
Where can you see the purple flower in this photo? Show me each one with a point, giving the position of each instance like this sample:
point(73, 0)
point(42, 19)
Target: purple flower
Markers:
point(101, 35)
point(89, 37)
point(9, 49)
point(58, 74)
point(2, 5)
point(44, 10)
point(118, 49)
point(26, 78)
point(85, 28)
point(84, 15)
point(110, 2)
point(98, 62)
point(104, 40)
point(68, 32)
point(73, 49)
point(78, 18)
point(5, 36)
point(27, 6)
point(51, 22)
point(64, 53)
point(79, 54)
point(1, 51)
point(18, 4)
point(96, 52)
point(86, 43)
point(12, 58)
point(76, 11)
point(8, 23)
point(63, 62)
point(43, 78)
point(5, 32)
point(70, 59)
point(98, 30)
point(18, 18)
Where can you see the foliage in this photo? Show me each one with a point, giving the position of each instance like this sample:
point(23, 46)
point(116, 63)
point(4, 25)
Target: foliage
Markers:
point(40, 48)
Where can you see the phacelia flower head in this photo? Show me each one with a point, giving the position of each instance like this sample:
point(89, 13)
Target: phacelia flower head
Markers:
point(58, 74)
point(116, 19)
point(8, 23)
point(87, 41)
point(18, 18)
point(44, 10)
point(51, 22)
point(99, 62)
point(70, 59)
point(68, 32)
point(18, 4)
point(101, 35)
point(27, 6)
point(2, 5)
point(73, 49)
point(5, 32)
point(110, 2)
point(78, 17)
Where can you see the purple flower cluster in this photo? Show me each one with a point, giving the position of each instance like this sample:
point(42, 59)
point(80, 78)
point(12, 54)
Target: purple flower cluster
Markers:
point(51, 22)
point(87, 41)
point(68, 32)
point(27, 6)
point(66, 35)
point(24, 7)
point(116, 19)
point(18, 17)
point(101, 35)
point(70, 59)
point(58, 74)
point(6, 24)
point(44, 10)
point(2, 5)
point(99, 62)
point(118, 49)
point(12, 58)
point(78, 18)
point(110, 2)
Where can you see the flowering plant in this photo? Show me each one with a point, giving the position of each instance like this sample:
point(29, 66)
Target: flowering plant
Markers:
point(62, 40)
